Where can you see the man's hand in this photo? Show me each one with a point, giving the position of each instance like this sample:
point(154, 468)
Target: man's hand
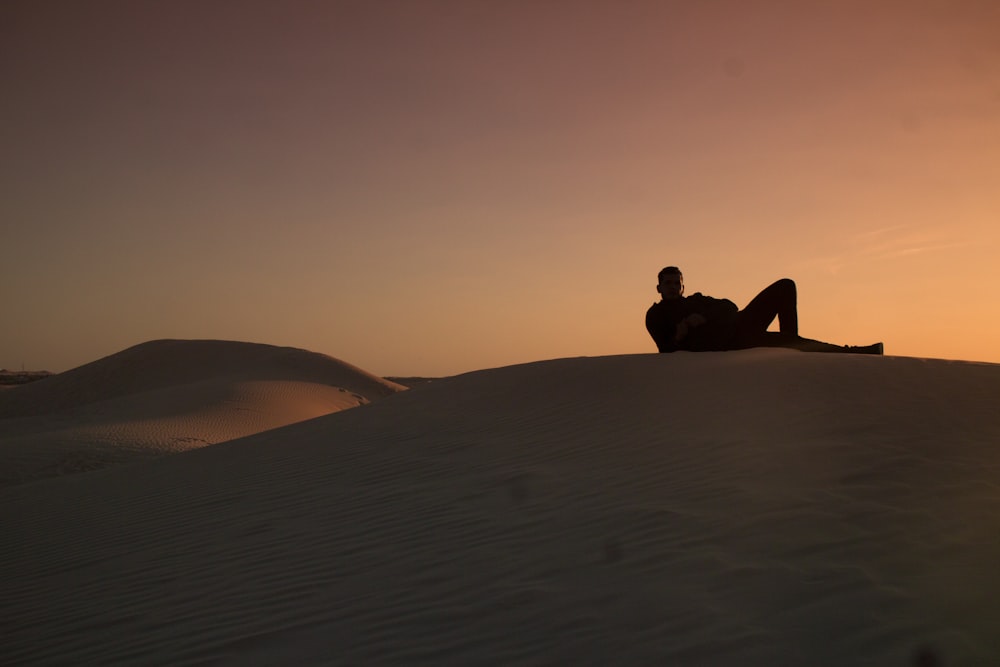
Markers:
point(693, 320)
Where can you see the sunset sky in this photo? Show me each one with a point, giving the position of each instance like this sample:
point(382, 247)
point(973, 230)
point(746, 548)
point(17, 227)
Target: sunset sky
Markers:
point(430, 187)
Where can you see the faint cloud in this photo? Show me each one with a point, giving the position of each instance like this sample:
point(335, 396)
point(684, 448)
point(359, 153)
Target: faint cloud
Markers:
point(904, 252)
point(878, 232)
point(902, 241)
point(887, 243)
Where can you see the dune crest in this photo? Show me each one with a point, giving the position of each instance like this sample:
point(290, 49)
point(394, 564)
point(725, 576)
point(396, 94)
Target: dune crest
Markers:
point(168, 396)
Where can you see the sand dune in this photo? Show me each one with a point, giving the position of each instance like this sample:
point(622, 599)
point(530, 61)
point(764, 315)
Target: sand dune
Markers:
point(763, 507)
point(168, 396)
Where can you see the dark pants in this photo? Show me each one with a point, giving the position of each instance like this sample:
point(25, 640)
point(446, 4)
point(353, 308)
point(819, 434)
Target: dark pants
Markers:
point(777, 300)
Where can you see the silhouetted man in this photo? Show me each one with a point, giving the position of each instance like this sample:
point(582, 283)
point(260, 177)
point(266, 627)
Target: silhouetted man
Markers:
point(699, 323)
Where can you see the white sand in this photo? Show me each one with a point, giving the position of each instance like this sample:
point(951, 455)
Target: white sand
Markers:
point(763, 507)
point(165, 397)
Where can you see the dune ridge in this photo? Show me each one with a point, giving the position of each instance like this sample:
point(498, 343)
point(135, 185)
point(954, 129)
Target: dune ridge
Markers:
point(167, 396)
point(165, 363)
point(747, 508)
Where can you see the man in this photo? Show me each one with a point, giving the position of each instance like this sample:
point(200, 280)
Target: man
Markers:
point(699, 323)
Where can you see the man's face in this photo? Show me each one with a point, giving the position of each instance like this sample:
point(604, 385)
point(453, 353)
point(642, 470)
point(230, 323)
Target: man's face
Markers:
point(671, 286)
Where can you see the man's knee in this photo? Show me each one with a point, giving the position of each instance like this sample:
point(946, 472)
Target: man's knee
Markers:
point(787, 286)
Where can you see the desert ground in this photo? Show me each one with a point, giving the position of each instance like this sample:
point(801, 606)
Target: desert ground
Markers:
point(223, 503)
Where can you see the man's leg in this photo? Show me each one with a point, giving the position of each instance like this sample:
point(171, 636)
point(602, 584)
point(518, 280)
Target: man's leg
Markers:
point(776, 300)
point(776, 339)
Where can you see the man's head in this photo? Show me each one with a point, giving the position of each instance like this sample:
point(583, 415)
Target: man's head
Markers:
point(671, 283)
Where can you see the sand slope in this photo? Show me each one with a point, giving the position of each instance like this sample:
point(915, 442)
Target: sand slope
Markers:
point(168, 396)
point(763, 507)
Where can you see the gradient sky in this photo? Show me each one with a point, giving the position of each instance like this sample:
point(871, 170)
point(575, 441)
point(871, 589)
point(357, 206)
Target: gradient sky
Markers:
point(429, 187)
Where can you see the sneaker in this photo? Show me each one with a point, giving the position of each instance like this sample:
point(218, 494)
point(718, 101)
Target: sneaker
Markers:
point(877, 348)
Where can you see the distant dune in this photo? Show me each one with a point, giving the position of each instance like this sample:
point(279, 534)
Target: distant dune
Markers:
point(761, 507)
point(167, 396)
point(14, 378)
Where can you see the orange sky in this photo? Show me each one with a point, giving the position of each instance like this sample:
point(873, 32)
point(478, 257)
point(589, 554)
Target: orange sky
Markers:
point(427, 188)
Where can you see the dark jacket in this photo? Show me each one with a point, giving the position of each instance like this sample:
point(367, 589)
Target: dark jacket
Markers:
point(718, 332)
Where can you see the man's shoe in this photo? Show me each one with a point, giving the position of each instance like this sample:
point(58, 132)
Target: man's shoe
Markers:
point(877, 348)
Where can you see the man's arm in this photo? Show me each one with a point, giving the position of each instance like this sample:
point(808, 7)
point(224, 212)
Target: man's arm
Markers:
point(714, 311)
point(693, 320)
point(661, 328)
point(709, 325)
